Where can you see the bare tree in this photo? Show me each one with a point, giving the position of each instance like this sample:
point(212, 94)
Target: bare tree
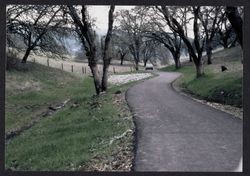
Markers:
point(84, 30)
point(210, 18)
point(196, 51)
point(149, 50)
point(106, 53)
point(172, 42)
point(226, 33)
point(87, 36)
point(185, 20)
point(236, 22)
point(120, 44)
point(32, 23)
point(132, 23)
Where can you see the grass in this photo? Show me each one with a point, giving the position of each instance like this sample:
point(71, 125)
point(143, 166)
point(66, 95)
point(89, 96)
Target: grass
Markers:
point(69, 138)
point(216, 86)
point(30, 92)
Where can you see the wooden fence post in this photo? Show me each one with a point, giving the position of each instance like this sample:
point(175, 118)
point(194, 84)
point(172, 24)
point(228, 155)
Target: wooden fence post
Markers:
point(72, 68)
point(48, 62)
point(62, 66)
point(82, 70)
point(114, 69)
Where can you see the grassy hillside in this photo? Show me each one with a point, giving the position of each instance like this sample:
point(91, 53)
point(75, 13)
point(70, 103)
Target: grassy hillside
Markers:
point(223, 87)
point(72, 138)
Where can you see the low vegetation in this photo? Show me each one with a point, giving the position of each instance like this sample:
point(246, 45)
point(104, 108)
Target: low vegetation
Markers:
point(223, 87)
point(86, 132)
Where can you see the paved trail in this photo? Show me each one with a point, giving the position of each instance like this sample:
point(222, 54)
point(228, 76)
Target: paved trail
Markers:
point(176, 133)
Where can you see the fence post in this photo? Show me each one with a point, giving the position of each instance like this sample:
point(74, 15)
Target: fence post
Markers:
point(114, 69)
point(82, 70)
point(72, 68)
point(62, 66)
point(48, 62)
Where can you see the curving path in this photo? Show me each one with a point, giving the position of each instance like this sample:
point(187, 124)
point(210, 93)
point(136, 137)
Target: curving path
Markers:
point(176, 133)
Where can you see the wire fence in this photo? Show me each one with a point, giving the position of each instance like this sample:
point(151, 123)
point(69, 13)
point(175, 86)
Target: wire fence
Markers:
point(79, 68)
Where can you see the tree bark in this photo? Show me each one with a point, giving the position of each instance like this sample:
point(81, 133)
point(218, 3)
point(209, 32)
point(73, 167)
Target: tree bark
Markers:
point(121, 61)
point(225, 44)
point(106, 53)
point(209, 52)
point(145, 62)
point(190, 58)
point(136, 65)
point(236, 22)
point(177, 61)
point(26, 55)
point(122, 58)
point(106, 64)
point(176, 57)
point(96, 76)
point(177, 27)
point(199, 70)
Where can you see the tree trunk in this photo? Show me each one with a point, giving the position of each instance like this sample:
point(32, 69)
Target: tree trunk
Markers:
point(209, 52)
point(145, 62)
point(177, 64)
point(236, 22)
point(199, 70)
point(96, 76)
point(136, 65)
point(177, 61)
point(122, 58)
point(26, 55)
point(105, 74)
point(106, 53)
point(225, 43)
point(190, 58)
point(233, 44)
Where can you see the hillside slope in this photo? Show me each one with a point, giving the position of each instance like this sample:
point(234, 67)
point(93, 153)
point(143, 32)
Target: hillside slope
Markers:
point(81, 135)
point(216, 86)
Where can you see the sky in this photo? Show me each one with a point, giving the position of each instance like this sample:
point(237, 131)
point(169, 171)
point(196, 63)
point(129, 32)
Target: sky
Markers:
point(100, 14)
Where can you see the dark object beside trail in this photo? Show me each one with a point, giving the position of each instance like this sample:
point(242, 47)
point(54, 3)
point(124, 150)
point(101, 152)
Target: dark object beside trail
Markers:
point(223, 68)
point(118, 92)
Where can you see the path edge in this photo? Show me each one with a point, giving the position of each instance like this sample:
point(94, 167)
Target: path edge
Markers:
point(195, 98)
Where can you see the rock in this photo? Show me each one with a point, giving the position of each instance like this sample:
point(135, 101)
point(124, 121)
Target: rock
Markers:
point(118, 92)
point(223, 68)
point(75, 105)
point(52, 108)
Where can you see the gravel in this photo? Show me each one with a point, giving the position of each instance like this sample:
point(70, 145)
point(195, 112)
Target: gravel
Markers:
point(123, 79)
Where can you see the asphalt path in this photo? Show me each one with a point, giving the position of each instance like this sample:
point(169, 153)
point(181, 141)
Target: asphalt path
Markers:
point(176, 133)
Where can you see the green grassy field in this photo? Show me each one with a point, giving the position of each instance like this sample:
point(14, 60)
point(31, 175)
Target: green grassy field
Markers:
point(223, 87)
point(71, 137)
